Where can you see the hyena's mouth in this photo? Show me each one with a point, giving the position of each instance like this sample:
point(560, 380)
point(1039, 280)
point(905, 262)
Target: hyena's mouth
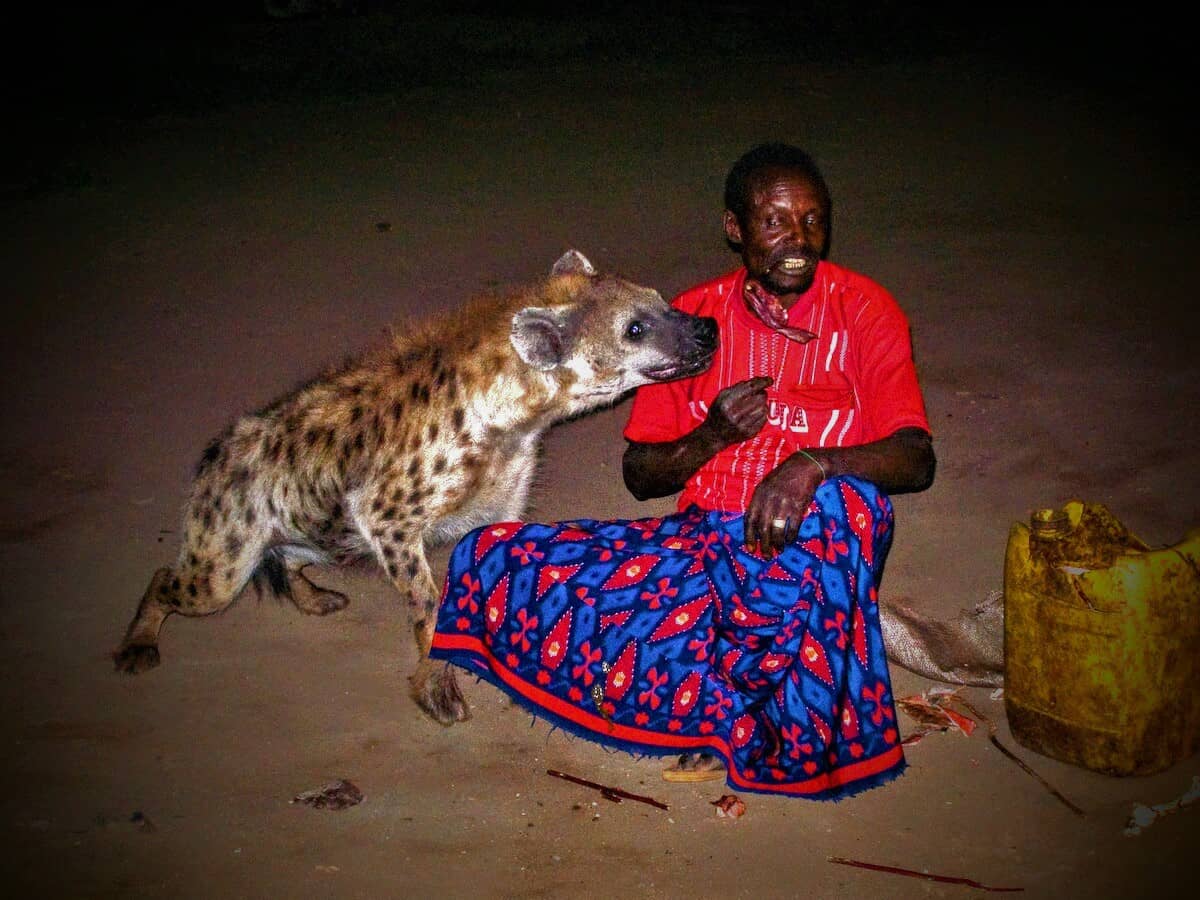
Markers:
point(682, 369)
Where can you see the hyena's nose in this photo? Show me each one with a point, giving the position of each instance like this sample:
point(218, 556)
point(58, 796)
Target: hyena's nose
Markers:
point(706, 332)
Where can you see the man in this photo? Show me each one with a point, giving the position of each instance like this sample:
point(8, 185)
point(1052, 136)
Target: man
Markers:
point(741, 631)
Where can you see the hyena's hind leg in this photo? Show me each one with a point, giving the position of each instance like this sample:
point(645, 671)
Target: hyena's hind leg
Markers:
point(206, 580)
point(311, 599)
point(139, 651)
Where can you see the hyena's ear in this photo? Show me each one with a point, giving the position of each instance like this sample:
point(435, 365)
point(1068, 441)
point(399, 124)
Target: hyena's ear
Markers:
point(539, 335)
point(573, 263)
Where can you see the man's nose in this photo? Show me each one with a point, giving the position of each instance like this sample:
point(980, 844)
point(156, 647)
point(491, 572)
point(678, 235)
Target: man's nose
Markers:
point(796, 232)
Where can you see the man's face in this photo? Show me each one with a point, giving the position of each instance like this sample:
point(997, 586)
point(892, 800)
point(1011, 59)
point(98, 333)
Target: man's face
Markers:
point(784, 232)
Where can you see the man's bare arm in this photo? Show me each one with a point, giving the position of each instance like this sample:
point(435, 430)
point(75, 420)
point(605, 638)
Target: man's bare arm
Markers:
point(903, 462)
point(659, 469)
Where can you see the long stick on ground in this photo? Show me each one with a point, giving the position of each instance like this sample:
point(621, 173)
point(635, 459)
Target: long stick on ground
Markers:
point(616, 795)
point(913, 873)
point(1028, 771)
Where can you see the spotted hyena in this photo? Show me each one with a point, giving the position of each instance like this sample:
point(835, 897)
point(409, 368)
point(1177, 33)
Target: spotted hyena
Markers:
point(411, 446)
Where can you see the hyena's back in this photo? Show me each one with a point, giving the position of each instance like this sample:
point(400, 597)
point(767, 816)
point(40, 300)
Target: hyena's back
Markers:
point(369, 460)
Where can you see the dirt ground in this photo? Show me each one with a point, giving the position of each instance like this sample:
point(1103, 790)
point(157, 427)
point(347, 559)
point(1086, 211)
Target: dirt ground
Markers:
point(193, 238)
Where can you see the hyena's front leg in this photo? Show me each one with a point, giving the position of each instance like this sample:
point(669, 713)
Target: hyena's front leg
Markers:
point(434, 687)
point(400, 550)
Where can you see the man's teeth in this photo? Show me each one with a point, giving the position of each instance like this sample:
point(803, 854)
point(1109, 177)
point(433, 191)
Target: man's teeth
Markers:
point(792, 264)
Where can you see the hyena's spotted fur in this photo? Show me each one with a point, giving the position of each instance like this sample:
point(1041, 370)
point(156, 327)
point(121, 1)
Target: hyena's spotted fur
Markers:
point(411, 446)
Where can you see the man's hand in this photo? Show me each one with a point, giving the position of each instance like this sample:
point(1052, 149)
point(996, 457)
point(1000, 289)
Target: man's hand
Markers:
point(898, 464)
point(740, 411)
point(737, 413)
point(779, 503)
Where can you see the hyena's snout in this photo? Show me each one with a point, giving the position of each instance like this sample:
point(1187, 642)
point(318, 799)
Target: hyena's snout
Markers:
point(704, 334)
point(694, 344)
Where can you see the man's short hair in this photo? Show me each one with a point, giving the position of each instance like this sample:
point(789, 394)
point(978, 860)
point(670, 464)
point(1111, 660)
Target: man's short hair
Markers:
point(771, 155)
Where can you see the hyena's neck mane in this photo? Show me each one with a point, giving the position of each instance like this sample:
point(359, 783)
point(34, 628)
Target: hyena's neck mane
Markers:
point(468, 357)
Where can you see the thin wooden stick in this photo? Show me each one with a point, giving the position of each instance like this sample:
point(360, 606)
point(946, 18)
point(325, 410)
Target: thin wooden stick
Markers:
point(1047, 785)
point(912, 873)
point(1028, 771)
point(616, 795)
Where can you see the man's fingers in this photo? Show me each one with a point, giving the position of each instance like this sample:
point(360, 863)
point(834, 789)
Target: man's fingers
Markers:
point(746, 388)
point(785, 530)
point(757, 525)
point(747, 397)
point(770, 536)
point(751, 386)
point(752, 537)
point(792, 532)
point(742, 407)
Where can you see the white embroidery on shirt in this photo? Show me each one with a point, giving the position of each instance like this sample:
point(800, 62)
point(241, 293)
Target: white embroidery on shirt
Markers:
point(833, 342)
point(786, 417)
point(828, 428)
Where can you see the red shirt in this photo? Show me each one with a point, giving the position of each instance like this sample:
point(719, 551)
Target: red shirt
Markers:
point(852, 384)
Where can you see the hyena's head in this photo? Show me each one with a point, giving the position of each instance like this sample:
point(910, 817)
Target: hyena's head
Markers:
point(603, 336)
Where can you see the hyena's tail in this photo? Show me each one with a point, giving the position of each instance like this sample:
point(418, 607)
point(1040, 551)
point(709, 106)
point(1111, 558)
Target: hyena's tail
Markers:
point(272, 574)
point(281, 572)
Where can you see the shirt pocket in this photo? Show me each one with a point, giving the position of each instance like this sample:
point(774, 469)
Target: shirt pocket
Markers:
point(807, 414)
point(819, 396)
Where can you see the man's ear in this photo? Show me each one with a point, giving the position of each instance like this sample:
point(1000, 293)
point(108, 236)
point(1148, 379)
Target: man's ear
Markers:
point(539, 336)
point(573, 263)
point(733, 230)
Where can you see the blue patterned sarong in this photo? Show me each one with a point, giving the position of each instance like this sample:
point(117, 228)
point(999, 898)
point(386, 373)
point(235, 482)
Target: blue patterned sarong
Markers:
point(665, 636)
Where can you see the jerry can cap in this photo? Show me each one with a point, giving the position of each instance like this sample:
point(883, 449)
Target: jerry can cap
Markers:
point(1049, 524)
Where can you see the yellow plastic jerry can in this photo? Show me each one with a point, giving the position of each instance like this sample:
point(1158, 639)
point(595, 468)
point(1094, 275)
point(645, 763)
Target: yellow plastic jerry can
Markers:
point(1101, 642)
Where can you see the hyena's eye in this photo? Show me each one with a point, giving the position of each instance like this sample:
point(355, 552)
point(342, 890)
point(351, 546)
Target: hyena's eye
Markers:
point(636, 330)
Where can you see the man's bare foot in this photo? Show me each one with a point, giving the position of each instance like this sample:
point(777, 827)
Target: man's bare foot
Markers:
point(692, 767)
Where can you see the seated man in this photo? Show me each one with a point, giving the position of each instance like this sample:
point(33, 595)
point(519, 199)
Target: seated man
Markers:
point(741, 632)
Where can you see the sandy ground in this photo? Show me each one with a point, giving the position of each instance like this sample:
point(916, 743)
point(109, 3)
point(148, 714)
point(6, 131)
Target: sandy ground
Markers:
point(173, 264)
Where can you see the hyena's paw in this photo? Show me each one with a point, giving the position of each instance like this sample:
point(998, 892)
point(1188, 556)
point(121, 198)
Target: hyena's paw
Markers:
point(437, 693)
point(136, 658)
point(321, 602)
point(313, 600)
